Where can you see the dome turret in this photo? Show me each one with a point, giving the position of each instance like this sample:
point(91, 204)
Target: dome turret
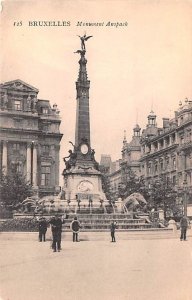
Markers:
point(151, 119)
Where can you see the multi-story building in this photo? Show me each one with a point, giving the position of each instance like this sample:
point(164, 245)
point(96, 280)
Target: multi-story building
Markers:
point(131, 153)
point(158, 151)
point(115, 176)
point(30, 136)
point(168, 151)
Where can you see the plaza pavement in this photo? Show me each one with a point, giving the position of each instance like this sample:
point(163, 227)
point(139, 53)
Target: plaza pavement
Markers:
point(136, 267)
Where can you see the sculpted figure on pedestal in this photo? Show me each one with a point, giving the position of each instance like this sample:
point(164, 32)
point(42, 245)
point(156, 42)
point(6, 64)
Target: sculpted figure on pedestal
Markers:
point(83, 39)
point(71, 161)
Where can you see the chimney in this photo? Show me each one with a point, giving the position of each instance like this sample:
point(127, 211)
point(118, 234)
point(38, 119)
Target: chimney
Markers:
point(165, 123)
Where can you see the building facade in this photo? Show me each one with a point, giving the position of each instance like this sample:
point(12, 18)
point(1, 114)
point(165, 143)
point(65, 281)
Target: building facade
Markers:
point(30, 136)
point(131, 153)
point(168, 151)
point(115, 176)
point(158, 151)
point(118, 171)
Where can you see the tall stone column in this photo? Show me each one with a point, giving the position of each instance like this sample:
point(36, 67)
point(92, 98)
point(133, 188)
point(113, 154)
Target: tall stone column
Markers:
point(29, 162)
point(34, 165)
point(82, 115)
point(4, 157)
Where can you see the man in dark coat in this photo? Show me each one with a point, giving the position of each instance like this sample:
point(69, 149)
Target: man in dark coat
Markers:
point(113, 226)
point(56, 227)
point(75, 226)
point(184, 226)
point(42, 229)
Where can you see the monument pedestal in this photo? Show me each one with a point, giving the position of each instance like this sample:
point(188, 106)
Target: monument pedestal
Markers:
point(83, 187)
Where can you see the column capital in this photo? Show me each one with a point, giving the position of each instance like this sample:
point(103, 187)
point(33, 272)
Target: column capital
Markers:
point(29, 144)
point(35, 144)
point(5, 141)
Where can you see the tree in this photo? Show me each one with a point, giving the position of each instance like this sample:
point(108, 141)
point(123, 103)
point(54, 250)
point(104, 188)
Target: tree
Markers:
point(132, 184)
point(14, 189)
point(163, 195)
point(106, 186)
point(105, 182)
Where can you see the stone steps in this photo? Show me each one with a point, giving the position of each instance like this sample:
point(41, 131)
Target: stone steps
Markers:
point(99, 216)
point(101, 222)
point(101, 227)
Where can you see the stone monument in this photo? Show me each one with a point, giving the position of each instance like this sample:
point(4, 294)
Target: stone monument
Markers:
point(82, 178)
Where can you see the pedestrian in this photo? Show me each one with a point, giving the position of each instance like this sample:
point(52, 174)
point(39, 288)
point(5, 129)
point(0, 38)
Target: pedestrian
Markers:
point(183, 226)
point(56, 228)
point(75, 226)
point(42, 228)
point(113, 227)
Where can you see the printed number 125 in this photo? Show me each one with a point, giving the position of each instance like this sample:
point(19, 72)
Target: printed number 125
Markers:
point(17, 23)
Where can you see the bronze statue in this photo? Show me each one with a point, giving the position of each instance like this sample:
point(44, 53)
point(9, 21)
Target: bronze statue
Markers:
point(71, 161)
point(92, 154)
point(83, 39)
point(74, 147)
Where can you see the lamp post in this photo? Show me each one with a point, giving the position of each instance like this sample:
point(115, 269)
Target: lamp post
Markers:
point(185, 197)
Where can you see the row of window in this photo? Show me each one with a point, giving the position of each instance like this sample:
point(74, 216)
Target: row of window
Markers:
point(44, 148)
point(165, 143)
point(30, 124)
point(17, 105)
point(172, 180)
point(161, 166)
point(45, 172)
point(161, 144)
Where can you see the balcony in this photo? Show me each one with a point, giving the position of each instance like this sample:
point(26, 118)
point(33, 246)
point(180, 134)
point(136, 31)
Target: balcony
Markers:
point(186, 145)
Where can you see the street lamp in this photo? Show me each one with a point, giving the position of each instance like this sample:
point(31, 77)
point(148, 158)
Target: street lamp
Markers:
point(185, 197)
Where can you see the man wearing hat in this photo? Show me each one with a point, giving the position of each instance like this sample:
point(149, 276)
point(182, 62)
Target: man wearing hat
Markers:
point(75, 226)
point(42, 228)
point(56, 227)
point(183, 225)
point(113, 226)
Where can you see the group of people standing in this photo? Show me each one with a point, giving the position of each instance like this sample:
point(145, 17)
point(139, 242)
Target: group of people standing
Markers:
point(56, 228)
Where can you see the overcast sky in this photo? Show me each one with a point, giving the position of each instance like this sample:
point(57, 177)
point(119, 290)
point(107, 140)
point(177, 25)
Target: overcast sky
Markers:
point(147, 64)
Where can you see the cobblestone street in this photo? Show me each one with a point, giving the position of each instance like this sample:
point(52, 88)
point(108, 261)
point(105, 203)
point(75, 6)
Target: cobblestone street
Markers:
point(129, 269)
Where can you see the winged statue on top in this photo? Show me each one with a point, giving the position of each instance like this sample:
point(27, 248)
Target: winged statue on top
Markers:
point(83, 39)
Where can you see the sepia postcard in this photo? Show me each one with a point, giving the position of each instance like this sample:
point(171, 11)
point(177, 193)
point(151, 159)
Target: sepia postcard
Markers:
point(113, 76)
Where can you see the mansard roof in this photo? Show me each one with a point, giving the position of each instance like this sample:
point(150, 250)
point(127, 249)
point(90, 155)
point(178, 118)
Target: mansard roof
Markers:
point(19, 85)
